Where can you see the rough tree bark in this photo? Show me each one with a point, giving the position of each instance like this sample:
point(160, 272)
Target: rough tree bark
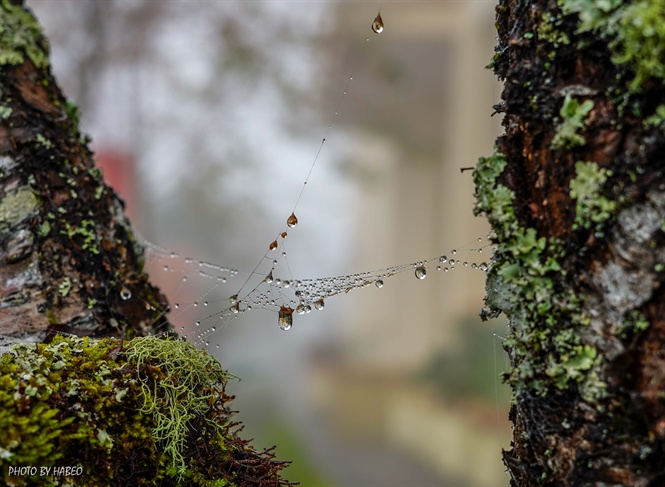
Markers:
point(82, 411)
point(575, 192)
point(68, 259)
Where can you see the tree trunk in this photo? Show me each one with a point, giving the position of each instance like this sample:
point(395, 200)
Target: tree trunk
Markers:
point(576, 196)
point(68, 259)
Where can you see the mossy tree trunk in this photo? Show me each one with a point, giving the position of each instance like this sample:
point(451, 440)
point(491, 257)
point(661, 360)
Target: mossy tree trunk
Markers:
point(575, 192)
point(68, 259)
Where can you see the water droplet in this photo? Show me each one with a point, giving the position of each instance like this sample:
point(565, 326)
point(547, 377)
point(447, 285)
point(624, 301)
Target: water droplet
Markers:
point(235, 309)
point(286, 284)
point(466, 264)
point(300, 309)
point(283, 254)
point(125, 294)
point(285, 319)
point(438, 268)
point(443, 259)
point(205, 303)
point(483, 266)
point(233, 299)
point(166, 268)
point(379, 283)
point(421, 272)
point(173, 255)
point(453, 251)
point(445, 269)
point(377, 24)
point(273, 245)
point(292, 221)
point(176, 306)
point(319, 304)
point(268, 279)
point(198, 323)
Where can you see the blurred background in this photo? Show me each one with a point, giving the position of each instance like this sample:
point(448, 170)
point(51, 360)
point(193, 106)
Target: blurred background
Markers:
point(206, 117)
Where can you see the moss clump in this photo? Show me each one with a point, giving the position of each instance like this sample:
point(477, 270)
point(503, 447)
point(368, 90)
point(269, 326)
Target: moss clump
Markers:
point(150, 411)
point(17, 206)
point(20, 36)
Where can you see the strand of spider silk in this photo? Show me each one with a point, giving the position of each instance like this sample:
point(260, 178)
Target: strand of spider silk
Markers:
point(326, 135)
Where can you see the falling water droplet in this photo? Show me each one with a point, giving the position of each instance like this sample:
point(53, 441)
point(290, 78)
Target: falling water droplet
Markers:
point(273, 245)
point(125, 294)
point(233, 299)
point(268, 279)
point(319, 304)
point(377, 24)
point(285, 319)
point(421, 272)
point(379, 283)
point(292, 221)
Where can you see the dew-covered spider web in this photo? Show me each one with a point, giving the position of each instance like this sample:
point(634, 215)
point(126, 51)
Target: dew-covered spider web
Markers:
point(209, 296)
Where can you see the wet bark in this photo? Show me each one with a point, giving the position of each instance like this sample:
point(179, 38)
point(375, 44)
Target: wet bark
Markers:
point(69, 261)
point(588, 357)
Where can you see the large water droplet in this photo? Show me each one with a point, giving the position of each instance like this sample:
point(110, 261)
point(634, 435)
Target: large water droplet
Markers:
point(421, 272)
point(379, 283)
point(292, 221)
point(233, 299)
point(125, 294)
point(285, 319)
point(235, 309)
point(319, 304)
point(377, 24)
point(443, 259)
point(268, 279)
point(273, 245)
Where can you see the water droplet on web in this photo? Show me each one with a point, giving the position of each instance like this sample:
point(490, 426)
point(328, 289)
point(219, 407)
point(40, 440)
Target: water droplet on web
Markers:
point(377, 24)
point(176, 306)
point(443, 259)
point(319, 304)
point(438, 268)
point(466, 264)
point(292, 221)
point(285, 319)
point(233, 299)
point(198, 323)
point(268, 279)
point(453, 251)
point(166, 268)
point(421, 272)
point(273, 245)
point(286, 284)
point(235, 309)
point(283, 234)
point(379, 283)
point(301, 309)
point(125, 294)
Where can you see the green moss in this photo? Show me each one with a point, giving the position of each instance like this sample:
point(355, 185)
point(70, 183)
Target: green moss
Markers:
point(20, 36)
point(549, 31)
point(65, 286)
point(572, 122)
point(657, 119)
point(592, 207)
point(85, 234)
point(151, 411)
point(593, 14)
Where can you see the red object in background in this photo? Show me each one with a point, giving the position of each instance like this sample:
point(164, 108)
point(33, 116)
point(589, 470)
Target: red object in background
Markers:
point(118, 169)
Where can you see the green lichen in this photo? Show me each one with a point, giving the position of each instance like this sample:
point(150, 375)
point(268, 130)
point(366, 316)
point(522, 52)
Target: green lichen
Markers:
point(65, 286)
point(635, 32)
point(657, 119)
point(150, 411)
point(549, 31)
point(544, 344)
point(21, 36)
point(191, 379)
point(593, 14)
point(640, 41)
point(592, 207)
point(17, 205)
point(572, 122)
